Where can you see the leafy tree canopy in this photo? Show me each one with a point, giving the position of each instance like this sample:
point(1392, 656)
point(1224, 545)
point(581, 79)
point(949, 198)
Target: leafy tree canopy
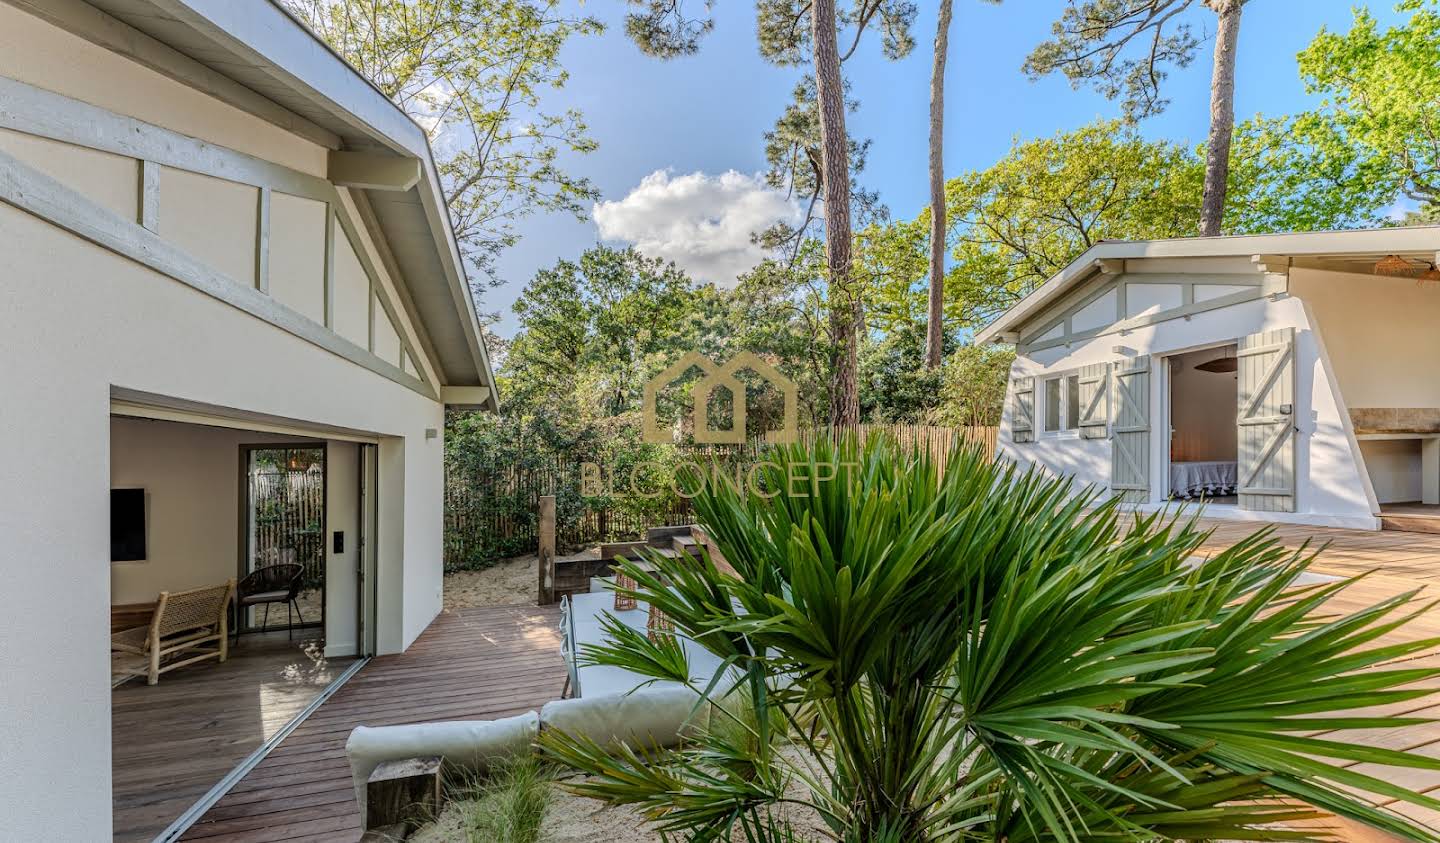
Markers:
point(1381, 110)
point(473, 73)
point(1123, 48)
point(1025, 218)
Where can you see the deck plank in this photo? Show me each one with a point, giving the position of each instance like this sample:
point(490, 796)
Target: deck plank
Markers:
point(494, 662)
point(172, 741)
point(480, 663)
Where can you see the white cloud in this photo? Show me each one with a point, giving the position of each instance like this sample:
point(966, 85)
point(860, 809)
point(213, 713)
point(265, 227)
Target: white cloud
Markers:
point(703, 223)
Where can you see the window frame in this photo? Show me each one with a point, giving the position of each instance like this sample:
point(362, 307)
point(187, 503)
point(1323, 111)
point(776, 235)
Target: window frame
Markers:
point(1065, 409)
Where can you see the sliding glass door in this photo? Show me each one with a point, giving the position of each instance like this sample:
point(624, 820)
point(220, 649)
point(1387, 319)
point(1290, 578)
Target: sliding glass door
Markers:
point(283, 524)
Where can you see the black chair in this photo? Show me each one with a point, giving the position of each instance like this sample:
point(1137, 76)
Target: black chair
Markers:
point(267, 585)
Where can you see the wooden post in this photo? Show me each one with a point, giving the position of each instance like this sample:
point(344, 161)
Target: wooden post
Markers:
point(546, 552)
point(404, 793)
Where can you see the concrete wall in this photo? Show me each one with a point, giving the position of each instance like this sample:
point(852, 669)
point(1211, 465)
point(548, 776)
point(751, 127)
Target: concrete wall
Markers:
point(1382, 336)
point(77, 322)
point(1331, 488)
point(45, 56)
point(190, 477)
point(1381, 333)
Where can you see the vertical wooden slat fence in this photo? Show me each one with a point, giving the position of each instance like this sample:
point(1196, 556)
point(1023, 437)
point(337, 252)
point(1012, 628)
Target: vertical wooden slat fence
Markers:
point(288, 511)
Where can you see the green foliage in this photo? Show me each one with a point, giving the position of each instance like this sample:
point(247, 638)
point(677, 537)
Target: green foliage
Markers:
point(506, 806)
point(1382, 100)
point(1292, 174)
point(496, 467)
point(474, 73)
point(1025, 218)
point(895, 386)
point(972, 391)
point(594, 330)
point(1018, 222)
point(991, 655)
point(1120, 47)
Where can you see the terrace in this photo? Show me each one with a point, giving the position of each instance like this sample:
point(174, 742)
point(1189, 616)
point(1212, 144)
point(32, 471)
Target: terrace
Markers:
point(493, 662)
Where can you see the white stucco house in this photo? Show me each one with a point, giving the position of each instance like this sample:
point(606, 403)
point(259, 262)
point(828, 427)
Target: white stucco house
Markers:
point(1286, 377)
point(215, 235)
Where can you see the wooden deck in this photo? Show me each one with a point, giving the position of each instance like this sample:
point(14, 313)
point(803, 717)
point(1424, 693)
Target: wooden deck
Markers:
point(1392, 563)
point(171, 742)
point(471, 664)
point(495, 662)
point(1390, 555)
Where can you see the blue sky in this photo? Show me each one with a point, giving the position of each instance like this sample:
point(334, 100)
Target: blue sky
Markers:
point(707, 113)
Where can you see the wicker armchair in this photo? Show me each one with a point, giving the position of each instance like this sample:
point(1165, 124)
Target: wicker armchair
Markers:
point(187, 627)
point(267, 585)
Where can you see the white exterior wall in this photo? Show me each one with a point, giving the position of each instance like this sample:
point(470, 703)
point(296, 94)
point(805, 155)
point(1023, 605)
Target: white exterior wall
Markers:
point(78, 321)
point(1331, 486)
point(75, 321)
point(1382, 334)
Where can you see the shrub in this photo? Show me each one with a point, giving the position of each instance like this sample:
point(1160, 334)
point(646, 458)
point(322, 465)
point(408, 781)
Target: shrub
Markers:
point(994, 655)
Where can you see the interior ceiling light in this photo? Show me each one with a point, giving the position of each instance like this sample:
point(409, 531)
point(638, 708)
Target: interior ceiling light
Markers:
point(1223, 365)
point(1394, 265)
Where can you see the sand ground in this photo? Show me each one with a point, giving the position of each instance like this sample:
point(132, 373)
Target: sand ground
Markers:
point(505, 583)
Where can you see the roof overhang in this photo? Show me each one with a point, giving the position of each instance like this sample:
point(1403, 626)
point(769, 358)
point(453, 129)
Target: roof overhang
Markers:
point(1341, 248)
point(257, 57)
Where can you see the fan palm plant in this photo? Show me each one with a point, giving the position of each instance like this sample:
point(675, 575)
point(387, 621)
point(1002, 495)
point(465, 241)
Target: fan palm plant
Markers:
point(988, 654)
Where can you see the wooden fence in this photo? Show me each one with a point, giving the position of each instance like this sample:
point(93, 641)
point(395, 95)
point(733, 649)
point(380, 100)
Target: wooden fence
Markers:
point(287, 516)
point(490, 509)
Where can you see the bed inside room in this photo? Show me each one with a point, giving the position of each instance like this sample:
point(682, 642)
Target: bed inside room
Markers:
point(1202, 413)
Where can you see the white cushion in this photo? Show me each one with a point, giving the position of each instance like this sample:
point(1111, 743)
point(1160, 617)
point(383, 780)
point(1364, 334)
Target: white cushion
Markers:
point(470, 744)
point(648, 717)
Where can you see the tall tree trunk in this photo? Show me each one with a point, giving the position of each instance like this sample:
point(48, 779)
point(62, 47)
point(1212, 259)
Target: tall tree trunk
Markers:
point(935, 327)
point(1222, 115)
point(835, 175)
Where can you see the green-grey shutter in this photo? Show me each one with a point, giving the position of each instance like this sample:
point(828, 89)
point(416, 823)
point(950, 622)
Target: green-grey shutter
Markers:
point(1022, 410)
point(1266, 418)
point(1130, 430)
point(1095, 401)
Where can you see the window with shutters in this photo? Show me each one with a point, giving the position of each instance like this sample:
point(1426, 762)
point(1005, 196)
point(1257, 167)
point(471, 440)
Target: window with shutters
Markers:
point(1061, 410)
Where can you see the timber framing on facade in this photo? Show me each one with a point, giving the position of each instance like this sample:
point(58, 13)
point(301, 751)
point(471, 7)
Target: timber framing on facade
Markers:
point(34, 111)
point(1104, 382)
point(220, 239)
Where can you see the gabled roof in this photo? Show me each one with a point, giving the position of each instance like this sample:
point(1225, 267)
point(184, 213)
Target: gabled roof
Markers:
point(257, 57)
point(1420, 242)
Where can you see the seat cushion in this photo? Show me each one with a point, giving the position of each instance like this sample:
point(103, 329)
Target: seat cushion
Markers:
point(265, 597)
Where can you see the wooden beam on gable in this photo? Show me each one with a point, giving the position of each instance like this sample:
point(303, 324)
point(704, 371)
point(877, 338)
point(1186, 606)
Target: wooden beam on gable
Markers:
point(465, 397)
point(1277, 274)
point(1110, 266)
point(1279, 264)
point(373, 172)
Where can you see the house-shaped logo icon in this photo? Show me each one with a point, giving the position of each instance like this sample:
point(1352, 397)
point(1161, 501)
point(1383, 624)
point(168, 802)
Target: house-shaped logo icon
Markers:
point(717, 376)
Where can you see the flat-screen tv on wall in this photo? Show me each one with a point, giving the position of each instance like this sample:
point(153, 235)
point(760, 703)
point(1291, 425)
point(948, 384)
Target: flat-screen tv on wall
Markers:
point(127, 525)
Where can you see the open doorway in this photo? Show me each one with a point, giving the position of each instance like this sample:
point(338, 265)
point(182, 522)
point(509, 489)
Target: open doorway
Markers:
point(282, 571)
point(194, 508)
point(1202, 409)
